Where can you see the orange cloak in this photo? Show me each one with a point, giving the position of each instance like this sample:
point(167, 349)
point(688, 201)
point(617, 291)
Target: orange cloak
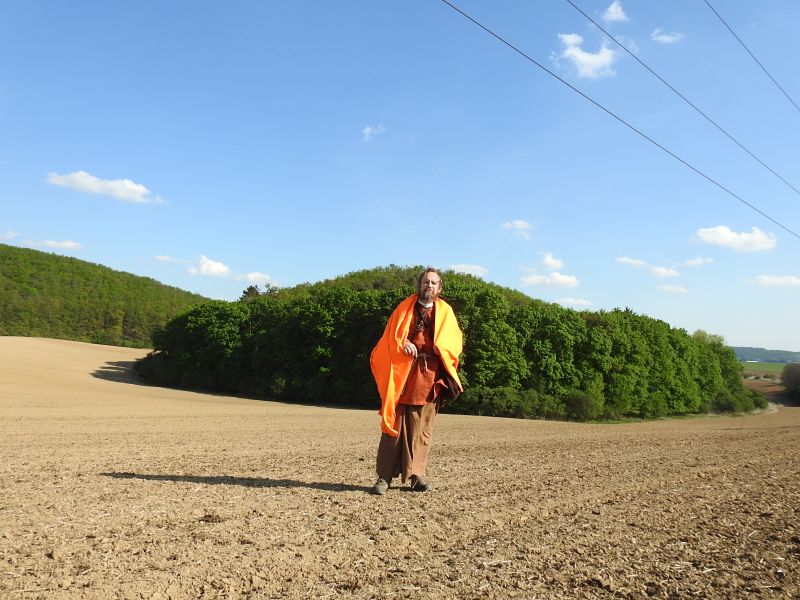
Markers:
point(390, 365)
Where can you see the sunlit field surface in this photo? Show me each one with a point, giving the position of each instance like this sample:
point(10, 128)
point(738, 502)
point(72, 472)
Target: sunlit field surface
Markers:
point(113, 489)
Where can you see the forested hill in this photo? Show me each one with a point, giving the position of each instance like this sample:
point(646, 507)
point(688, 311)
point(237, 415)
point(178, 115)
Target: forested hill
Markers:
point(46, 295)
point(522, 357)
point(395, 277)
point(764, 355)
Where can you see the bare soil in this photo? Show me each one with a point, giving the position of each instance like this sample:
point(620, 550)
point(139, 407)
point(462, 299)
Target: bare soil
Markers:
point(113, 489)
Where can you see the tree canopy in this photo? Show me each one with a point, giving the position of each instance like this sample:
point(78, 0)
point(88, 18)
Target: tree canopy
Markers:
point(790, 379)
point(522, 357)
point(46, 295)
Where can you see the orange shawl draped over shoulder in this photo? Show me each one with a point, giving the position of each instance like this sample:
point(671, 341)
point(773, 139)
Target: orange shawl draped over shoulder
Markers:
point(390, 365)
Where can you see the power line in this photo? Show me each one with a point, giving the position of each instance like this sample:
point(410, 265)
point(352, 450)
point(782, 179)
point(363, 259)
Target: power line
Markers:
point(618, 118)
point(763, 68)
point(684, 98)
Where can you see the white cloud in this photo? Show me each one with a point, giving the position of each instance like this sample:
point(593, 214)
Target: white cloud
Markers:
point(64, 245)
point(696, 262)
point(663, 37)
point(592, 65)
point(9, 235)
point(165, 258)
point(721, 235)
point(638, 263)
point(663, 272)
point(551, 262)
point(519, 227)
point(778, 280)
point(258, 278)
point(577, 302)
point(625, 260)
point(615, 14)
point(554, 279)
point(571, 39)
point(209, 267)
point(370, 132)
point(215, 268)
point(673, 289)
point(121, 189)
point(476, 270)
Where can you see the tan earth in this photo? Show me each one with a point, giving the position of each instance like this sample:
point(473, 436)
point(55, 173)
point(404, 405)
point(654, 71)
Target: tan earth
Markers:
point(113, 489)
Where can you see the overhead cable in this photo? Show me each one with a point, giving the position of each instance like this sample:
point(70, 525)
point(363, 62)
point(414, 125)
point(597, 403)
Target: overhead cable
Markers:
point(618, 118)
point(684, 98)
point(758, 62)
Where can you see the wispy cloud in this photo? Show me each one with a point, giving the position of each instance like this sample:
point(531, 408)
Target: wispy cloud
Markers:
point(778, 280)
point(615, 14)
point(121, 189)
point(664, 272)
point(369, 132)
point(722, 235)
point(554, 279)
point(574, 302)
point(628, 43)
point(9, 236)
point(57, 245)
point(520, 228)
point(166, 258)
point(673, 289)
point(592, 65)
point(551, 262)
point(663, 37)
point(658, 271)
point(635, 262)
point(476, 270)
point(696, 262)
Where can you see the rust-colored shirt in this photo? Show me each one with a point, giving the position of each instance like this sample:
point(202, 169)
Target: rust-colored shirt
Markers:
point(421, 385)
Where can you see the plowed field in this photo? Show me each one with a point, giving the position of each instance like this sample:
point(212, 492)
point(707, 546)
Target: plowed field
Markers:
point(113, 489)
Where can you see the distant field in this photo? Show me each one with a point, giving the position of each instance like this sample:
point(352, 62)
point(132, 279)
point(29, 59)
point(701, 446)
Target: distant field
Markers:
point(763, 368)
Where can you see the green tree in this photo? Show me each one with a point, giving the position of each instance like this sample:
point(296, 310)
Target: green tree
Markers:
point(495, 356)
point(522, 357)
point(790, 379)
point(250, 292)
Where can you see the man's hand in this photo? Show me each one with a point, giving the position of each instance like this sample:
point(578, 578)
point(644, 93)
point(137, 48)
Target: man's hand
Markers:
point(410, 349)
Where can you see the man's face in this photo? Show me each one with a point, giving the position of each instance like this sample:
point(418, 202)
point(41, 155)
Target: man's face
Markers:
point(429, 287)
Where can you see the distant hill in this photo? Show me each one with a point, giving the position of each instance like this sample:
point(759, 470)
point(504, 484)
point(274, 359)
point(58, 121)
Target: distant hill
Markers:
point(46, 295)
point(762, 355)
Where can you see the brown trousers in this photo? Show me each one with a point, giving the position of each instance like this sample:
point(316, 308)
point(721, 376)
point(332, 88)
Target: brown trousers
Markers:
point(407, 454)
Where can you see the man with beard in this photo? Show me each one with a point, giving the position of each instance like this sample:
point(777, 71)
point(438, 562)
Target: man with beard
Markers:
point(413, 363)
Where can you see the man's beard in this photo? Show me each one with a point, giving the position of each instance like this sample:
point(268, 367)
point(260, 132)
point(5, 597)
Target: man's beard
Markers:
point(428, 295)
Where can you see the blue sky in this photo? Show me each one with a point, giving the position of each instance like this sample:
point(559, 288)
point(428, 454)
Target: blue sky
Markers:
point(212, 145)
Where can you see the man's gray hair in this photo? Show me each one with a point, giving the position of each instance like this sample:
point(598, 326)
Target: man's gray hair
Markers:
point(427, 270)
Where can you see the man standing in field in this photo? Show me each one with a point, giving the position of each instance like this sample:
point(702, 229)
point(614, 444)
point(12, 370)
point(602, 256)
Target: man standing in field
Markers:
point(412, 364)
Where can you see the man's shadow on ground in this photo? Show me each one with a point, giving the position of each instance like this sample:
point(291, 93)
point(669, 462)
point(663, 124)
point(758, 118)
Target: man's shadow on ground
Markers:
point(253, 482)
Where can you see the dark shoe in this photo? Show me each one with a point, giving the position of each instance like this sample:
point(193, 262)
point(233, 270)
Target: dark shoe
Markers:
point(419, 484)
point(380, 487)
